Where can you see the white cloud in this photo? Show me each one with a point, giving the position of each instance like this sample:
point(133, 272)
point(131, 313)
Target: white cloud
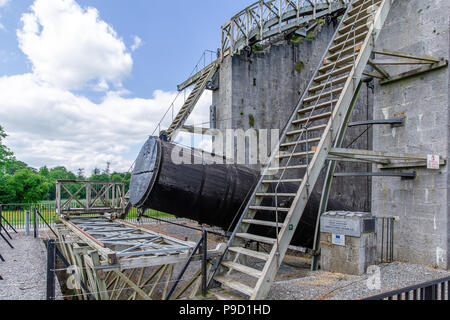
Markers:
point(137, 43)
point(69, 46)
point(3, 3)
point(48, 125)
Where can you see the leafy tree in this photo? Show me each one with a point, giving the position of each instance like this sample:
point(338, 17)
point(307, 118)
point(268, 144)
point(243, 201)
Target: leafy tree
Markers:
point(5, 153)
point(29, 187)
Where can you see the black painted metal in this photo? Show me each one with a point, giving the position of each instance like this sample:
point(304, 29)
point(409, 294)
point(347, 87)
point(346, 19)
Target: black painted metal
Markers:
point(212, 194)
point(398, 121)
point(51, 267)
point(404, 174)
point(3, 260)
point(45, 221)
point(3, 219)
point(433, 290)
point(188, 262)
point(35, 223)
point(204, 263)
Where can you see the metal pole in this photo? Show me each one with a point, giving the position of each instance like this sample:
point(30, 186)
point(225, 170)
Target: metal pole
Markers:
point(35, 223)
point(3, 260)
point(27, 223)
point(204, 262)
point(51, 267)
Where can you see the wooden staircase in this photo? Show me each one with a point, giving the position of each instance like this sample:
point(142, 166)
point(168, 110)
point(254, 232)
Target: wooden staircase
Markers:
point(200, 85)
point(302, 153)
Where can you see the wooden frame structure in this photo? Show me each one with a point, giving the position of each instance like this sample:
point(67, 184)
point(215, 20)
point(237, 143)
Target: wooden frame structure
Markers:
point(267, 18)
point(100, 197)
point(118, 260)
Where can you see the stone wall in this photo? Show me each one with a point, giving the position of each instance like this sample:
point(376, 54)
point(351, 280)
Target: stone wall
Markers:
point(422, 234)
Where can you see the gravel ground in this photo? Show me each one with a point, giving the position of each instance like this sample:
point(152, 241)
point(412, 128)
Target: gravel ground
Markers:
point(333, 286)
point(296, 282)
point(24, 272)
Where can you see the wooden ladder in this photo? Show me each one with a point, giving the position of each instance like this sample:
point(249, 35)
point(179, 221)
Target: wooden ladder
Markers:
point(301, 154)
point(200, 85)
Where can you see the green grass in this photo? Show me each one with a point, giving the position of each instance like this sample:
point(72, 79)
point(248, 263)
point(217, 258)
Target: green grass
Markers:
point(17, 217)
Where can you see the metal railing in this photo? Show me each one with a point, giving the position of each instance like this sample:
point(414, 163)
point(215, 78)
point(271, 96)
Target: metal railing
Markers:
point(433, 290)
point(385, 239)
point(267, 18)
point(16, 215)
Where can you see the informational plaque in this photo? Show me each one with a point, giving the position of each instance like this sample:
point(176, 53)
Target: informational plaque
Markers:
point(433, 162)
point(341, 226)
point(338, 240)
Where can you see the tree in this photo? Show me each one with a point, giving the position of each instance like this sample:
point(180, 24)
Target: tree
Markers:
point(80, 174)
point(5, 153)
point(28, 187)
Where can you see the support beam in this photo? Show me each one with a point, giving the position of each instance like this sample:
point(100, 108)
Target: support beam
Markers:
point(415, 72)
point(393, 122)
point(404, 175)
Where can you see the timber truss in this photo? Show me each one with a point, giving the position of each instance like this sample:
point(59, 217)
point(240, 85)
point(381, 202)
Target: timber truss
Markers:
point(98, 197)
point(118, 260)
point(396, 59)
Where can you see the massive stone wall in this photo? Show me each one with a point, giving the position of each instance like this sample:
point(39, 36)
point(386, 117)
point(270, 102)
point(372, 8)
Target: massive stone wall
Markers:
point(266, 86)
point(422, 234)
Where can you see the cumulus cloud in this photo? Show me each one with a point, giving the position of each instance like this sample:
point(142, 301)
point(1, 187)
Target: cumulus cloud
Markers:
point(48, 124)
point(69, 46)
point(3, 3)
point(137, 43)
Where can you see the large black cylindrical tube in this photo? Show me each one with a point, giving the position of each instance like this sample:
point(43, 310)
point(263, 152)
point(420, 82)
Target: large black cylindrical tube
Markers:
point(212, 194)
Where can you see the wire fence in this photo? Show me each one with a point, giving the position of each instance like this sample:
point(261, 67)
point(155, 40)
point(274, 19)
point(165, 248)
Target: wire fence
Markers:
point(16, 215)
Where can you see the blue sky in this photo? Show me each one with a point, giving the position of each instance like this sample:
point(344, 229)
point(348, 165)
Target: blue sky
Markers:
point(85, 81)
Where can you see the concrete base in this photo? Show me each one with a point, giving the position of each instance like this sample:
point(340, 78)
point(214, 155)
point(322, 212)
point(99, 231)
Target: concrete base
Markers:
point(354, 258)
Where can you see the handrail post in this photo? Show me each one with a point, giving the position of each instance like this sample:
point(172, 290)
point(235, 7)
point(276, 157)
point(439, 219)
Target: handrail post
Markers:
point(204, 262)
point(51, 267)
point(35, 224)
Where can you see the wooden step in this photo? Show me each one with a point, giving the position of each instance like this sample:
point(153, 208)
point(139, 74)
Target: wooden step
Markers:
point(334, 73)
point(312, 118)
point(357, 18)
point(288, 168)
point(348, 60)
point(333, 83)
point(319, 106)
point(317, 128)
point(360, 31)
point(263, 223)
point(358, 8)
point(347, 43)
point(354, 49)
point(281, 195)
point(256, 238)
point(323, 95)
point(250, 253)
point(274, 209)
point(241, 268)
point(299, 143)
point(295, 155)
point(283, 181)
point(234, 285)
point(222, 295)
point(363, 19)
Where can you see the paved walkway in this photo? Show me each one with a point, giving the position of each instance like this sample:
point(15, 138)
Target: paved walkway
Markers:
point(24, 271)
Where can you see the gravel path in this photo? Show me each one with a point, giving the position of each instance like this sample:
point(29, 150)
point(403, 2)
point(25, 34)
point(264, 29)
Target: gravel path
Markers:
point(334, 286)
point(24, 272)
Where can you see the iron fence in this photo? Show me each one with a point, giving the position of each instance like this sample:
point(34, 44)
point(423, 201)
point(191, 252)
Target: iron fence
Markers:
point(15, 214)
point(385, 239)
point(433, 290)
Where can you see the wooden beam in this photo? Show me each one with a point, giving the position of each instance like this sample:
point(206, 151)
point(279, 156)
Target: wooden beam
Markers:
point(415, 72)
point(400, 54)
